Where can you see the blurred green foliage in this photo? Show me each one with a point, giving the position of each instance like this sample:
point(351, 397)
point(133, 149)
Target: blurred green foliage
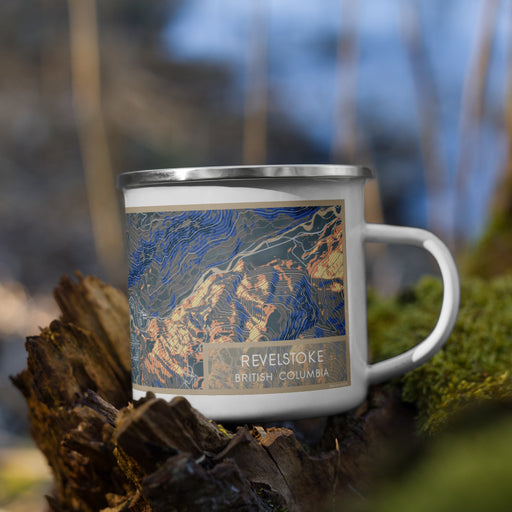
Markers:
point(24, 478)
point(492, 255)
point(474, 365)
point(466, 468)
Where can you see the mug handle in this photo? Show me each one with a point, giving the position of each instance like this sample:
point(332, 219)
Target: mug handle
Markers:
point(424, 350)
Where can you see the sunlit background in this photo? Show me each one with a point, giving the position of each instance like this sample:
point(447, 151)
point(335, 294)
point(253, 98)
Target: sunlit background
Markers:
point(418, 90)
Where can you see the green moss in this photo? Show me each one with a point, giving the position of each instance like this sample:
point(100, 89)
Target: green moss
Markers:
point(475, 362)
point(463, 469)
point(222, 429)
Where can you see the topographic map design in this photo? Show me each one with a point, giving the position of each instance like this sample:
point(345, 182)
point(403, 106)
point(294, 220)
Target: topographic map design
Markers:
point(230, 275)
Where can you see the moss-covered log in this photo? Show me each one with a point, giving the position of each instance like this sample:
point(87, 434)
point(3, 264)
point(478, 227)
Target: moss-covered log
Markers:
point(474, 366)
point(110, 454)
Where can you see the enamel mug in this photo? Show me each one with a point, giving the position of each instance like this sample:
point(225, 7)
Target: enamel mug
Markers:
point(247, 289)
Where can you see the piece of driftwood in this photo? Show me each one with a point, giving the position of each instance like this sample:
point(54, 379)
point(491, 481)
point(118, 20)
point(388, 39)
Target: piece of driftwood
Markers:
point(108, 453)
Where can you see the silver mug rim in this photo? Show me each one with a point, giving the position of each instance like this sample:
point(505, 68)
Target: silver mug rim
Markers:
point(181, 175)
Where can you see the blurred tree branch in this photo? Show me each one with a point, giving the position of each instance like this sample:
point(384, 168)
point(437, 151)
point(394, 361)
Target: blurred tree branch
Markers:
point(473, 99)
point(427, 100)
point(344, 144)
point(255, 120)
point(503, 196)
point(86, 84)
point(492, 255)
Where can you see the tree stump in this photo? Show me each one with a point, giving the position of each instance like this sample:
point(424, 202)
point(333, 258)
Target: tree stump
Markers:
point(108, 453)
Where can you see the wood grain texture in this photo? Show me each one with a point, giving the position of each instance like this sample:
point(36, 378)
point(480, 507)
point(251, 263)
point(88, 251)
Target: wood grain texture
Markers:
point(108, 453)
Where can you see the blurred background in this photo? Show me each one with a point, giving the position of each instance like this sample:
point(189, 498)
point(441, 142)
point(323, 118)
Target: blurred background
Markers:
point(420, 90)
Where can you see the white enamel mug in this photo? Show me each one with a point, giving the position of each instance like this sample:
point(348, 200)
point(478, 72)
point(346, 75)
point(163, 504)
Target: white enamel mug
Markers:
point(247, 289)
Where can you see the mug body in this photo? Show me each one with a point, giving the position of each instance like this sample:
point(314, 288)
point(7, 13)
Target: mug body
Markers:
point(247, 288)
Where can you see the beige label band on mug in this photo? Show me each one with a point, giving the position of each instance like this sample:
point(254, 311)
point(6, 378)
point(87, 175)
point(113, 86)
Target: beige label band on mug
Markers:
point(271, 367)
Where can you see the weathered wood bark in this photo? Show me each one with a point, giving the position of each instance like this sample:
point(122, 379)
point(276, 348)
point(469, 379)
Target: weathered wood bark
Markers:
point(110, 454)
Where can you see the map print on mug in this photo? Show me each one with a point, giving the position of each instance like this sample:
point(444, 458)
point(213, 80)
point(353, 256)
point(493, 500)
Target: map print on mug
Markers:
point(238, 298)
